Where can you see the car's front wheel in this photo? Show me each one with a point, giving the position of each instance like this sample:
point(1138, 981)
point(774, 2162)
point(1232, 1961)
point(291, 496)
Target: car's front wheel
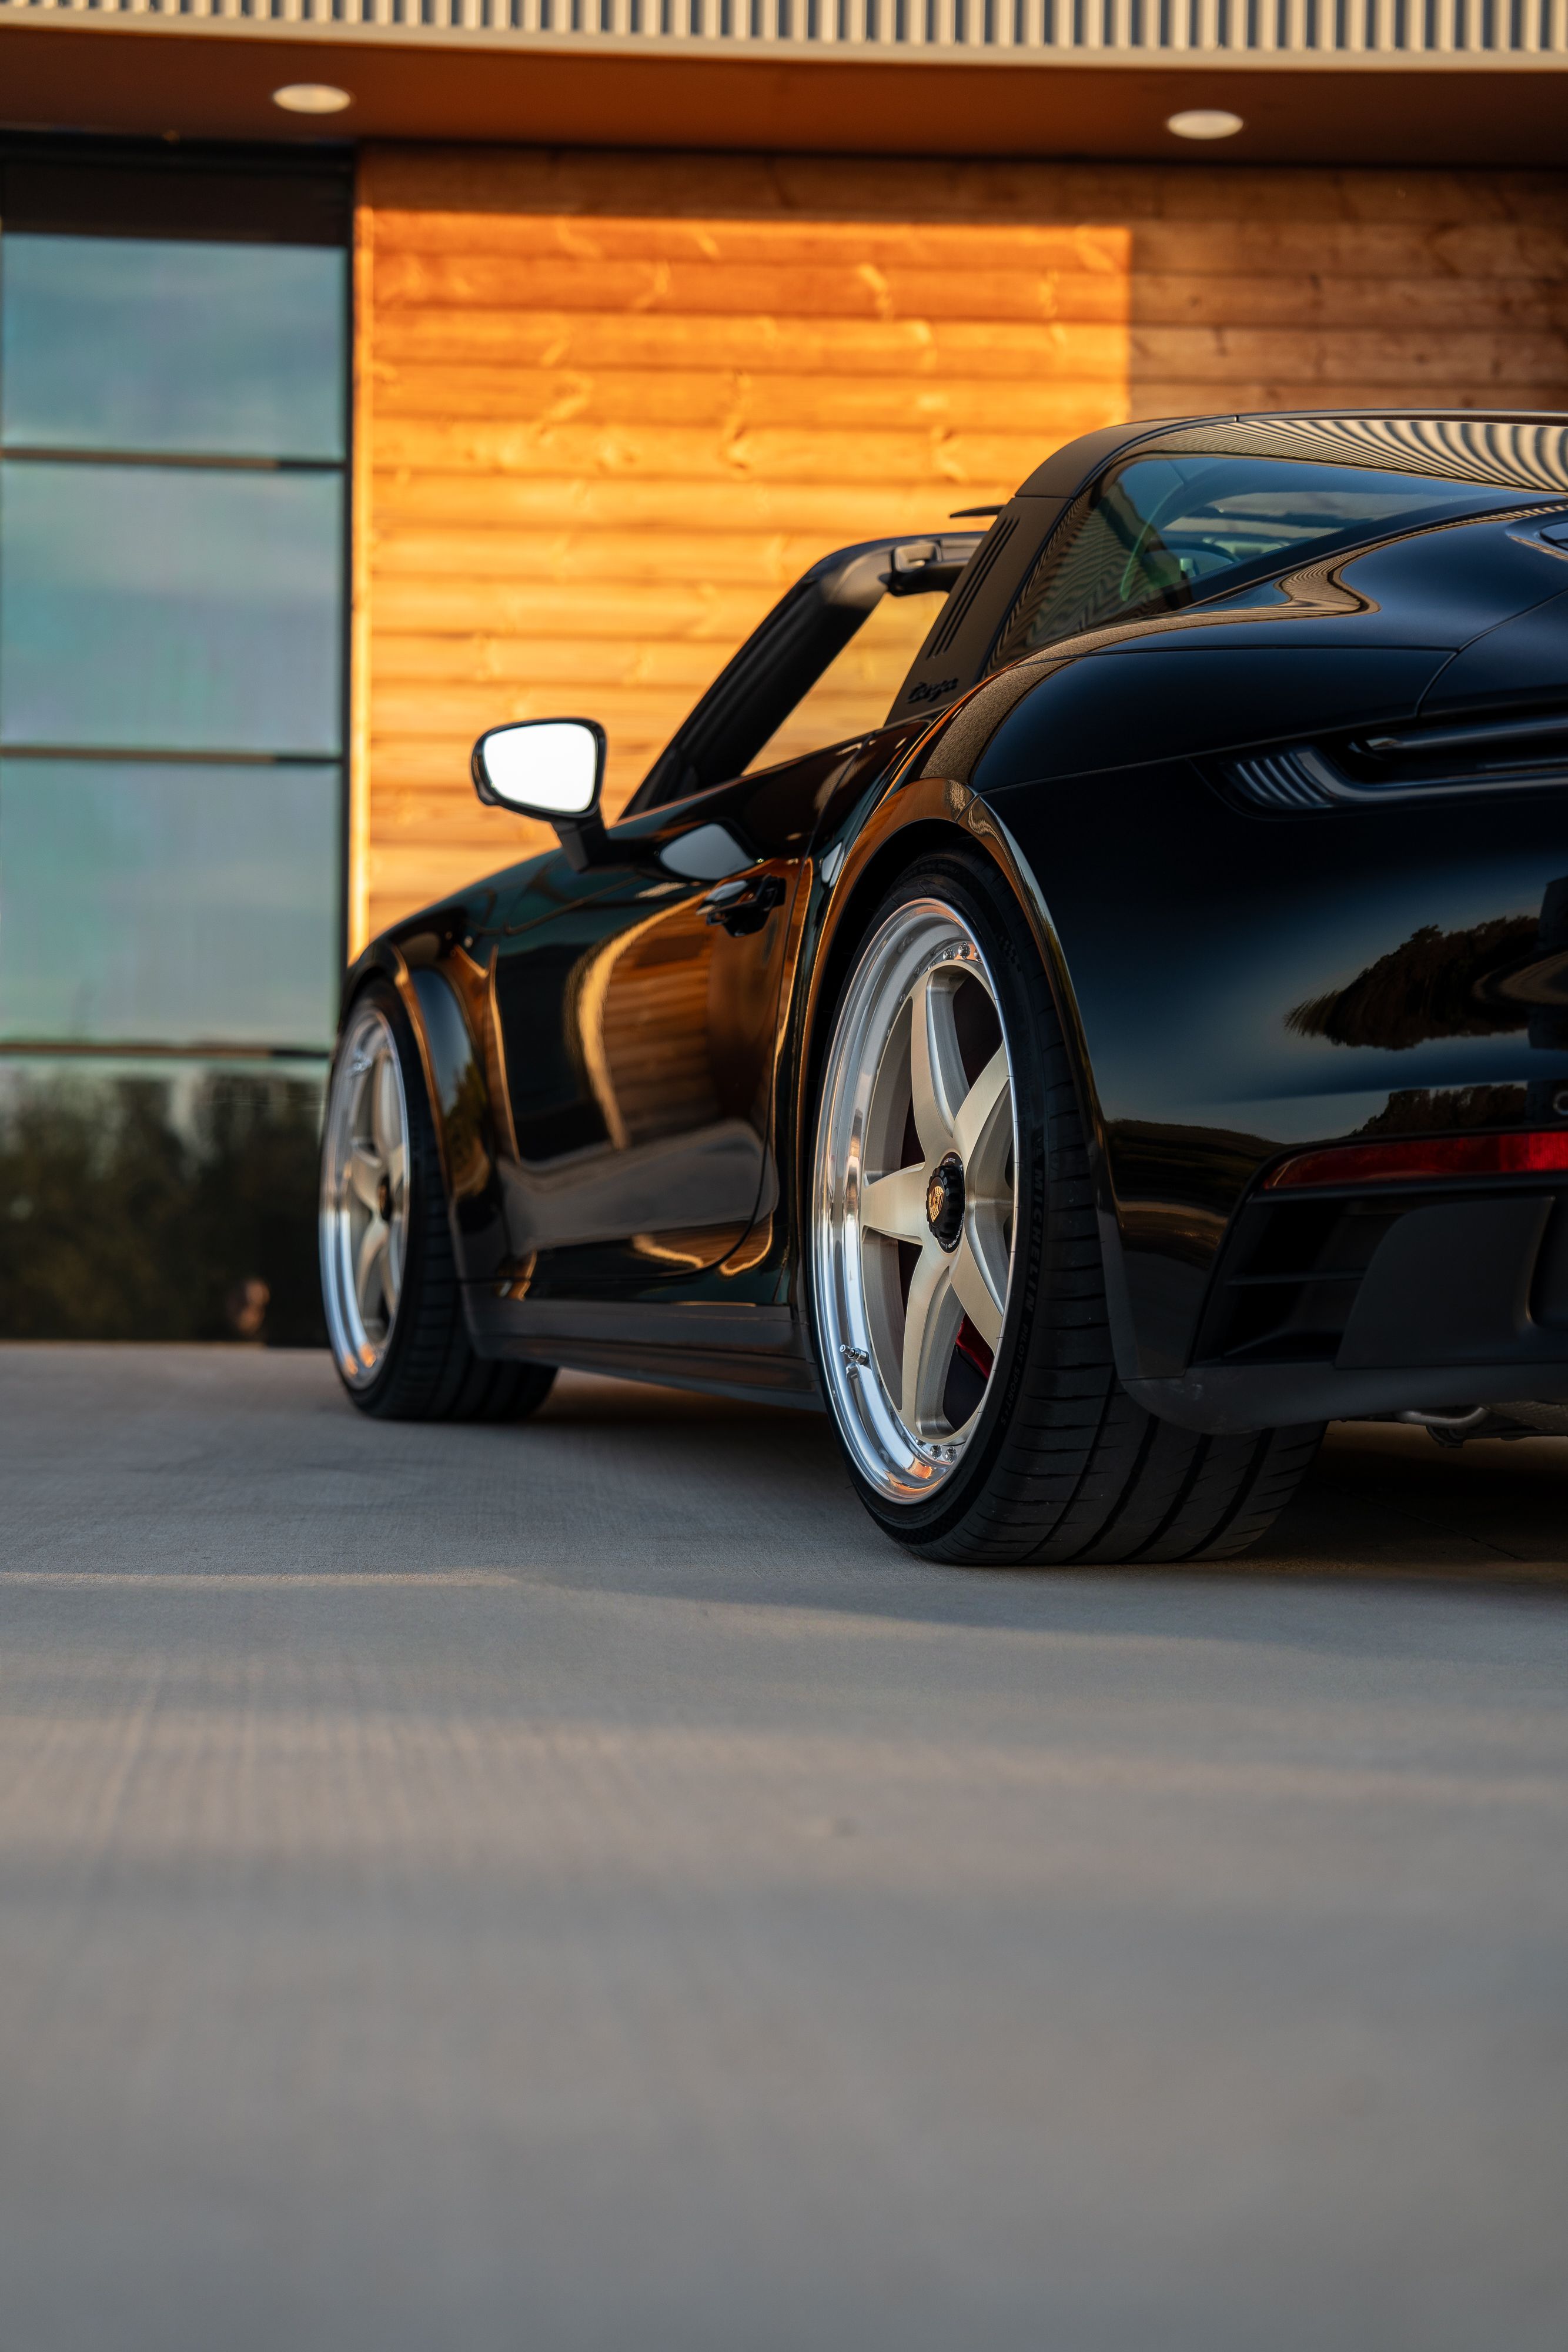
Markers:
point(388, 1281)
point(957, 1289)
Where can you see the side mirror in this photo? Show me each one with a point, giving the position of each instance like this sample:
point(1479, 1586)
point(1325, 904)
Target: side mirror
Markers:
point(549, 768)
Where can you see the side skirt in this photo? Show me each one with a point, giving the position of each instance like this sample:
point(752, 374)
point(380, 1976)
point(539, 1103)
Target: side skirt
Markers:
point(748, 1353)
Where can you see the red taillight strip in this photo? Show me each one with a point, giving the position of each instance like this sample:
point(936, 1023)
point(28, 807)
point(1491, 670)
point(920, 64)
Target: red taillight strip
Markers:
point(1424, 1159)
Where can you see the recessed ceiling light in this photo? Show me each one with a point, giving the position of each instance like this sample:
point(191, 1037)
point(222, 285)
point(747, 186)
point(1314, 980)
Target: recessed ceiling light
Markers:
point(1205, 122)
point(311, 97)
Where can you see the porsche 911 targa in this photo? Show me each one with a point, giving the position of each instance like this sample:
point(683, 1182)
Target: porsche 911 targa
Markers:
point(1144, 1042)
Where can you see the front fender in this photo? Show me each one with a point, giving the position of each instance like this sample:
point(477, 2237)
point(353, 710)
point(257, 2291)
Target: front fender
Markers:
point(447, 997)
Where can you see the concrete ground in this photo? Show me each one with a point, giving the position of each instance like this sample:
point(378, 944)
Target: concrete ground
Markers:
point(577, 1887)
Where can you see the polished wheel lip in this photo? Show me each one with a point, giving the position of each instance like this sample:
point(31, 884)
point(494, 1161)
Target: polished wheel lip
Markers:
point(876, 1071)
point(365, 1210)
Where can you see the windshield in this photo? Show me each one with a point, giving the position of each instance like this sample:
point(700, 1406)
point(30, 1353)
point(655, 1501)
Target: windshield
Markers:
point(1157, 533)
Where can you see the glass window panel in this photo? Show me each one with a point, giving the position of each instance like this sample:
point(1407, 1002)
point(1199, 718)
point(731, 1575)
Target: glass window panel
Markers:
point(170, 608)
point(165, 903)
point(159, 1199)
point(144, 343)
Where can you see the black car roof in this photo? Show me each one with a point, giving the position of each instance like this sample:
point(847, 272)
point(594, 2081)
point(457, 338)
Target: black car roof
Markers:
point(1527, 447)
point(1068, 469)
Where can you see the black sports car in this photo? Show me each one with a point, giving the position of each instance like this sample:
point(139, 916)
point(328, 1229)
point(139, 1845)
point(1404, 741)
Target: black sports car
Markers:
point(1146, 1042)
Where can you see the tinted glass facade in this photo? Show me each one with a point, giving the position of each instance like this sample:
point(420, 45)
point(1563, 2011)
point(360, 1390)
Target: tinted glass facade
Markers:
point(174, 417)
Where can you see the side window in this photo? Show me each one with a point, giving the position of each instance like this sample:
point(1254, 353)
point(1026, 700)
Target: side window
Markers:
point(1156, 533)
point(1102, 560)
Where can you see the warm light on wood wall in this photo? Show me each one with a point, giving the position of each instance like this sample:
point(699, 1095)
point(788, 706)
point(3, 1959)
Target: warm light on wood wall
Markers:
point(609, 406)
point(614, 405)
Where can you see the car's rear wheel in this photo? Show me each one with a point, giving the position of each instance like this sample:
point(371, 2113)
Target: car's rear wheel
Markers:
point(957, 1289)
point(388, 1281)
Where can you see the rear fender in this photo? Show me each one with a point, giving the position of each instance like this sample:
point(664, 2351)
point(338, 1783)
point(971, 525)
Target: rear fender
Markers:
point(921, 812)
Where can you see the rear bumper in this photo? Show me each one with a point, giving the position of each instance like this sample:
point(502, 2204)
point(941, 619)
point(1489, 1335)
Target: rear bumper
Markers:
point(1336, 1304)
point(1226, 1402)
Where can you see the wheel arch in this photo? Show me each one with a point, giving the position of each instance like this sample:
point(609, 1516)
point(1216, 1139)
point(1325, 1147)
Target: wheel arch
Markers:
point(922, 817)
point(447, 1019)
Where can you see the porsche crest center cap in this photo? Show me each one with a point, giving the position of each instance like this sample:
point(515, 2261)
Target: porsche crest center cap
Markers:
point(945, 1200)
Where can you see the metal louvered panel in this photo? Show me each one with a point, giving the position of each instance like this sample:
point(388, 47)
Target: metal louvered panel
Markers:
point(1458, 761)
point(970, 587)
point(1278, 780)
point(1112, 29)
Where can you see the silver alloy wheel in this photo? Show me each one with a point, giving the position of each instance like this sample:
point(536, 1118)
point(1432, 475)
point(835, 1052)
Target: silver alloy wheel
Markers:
point(914, 1200)
point(364, 1195)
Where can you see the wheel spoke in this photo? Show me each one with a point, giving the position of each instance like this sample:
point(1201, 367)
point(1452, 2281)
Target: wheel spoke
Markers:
point(368, 1284)
point(979, 1106)
point(391, 1268)
point(386, 1120)
point(979, 1292)
point(364, 1177)
point(935, 1064)
point(930, 1324)
point(895, 1205)
point(397, 1172)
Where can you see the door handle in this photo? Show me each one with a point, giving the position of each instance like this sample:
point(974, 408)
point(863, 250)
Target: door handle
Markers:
point(743, 907)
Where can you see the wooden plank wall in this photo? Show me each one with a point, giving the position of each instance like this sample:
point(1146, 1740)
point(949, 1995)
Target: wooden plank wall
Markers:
point(609, 405)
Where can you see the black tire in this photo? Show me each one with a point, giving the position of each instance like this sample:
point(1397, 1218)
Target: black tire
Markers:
point(427, 1369)
point(1062, 1465)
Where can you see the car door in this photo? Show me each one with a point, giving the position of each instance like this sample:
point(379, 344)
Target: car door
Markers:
point(637, 1001)
point(637, 1024)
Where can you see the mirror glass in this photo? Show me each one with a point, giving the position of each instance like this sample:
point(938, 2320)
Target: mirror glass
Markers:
point(547, 766)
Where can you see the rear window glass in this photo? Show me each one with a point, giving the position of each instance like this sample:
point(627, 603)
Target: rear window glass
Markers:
point(1156, 533)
